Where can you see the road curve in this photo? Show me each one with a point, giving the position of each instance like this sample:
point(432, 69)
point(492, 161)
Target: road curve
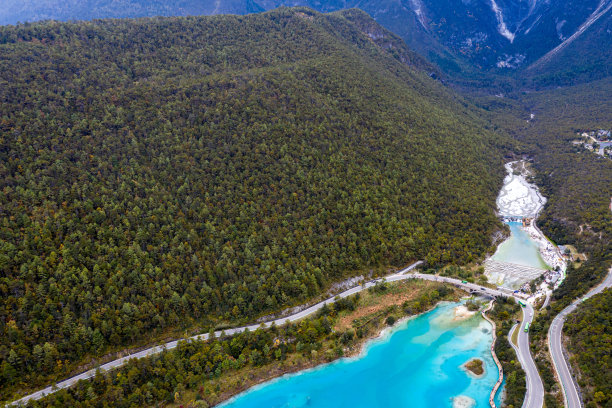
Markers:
point(401, 275)
point(534, 396)
point(535, 388)
point(571, 395)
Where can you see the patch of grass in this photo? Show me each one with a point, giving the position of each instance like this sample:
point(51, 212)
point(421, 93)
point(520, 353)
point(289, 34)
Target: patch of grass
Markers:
point(385, 299)
point(514, 338)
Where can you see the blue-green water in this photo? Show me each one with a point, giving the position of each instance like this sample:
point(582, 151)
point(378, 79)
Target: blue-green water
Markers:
point(520, 249)
point(417, 364)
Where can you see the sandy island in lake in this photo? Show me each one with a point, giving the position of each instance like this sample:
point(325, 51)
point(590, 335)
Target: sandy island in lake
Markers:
point(463, 401)
point(462, 313)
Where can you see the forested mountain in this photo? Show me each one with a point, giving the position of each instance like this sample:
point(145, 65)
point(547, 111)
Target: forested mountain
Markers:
point(586, 58)
point(170, 174)
point(462, 37)
point(14, 11)
point(589, 334)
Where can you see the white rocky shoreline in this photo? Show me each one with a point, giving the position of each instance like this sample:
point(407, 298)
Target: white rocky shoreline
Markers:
point(518, 197)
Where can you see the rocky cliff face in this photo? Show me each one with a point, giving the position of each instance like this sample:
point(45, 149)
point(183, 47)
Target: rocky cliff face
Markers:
point(506, 34)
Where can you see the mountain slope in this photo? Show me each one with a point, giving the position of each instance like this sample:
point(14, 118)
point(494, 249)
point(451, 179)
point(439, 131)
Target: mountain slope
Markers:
point(14, 11)
point(582, 57)
point(589, 334)
point(165, 174)
point(458, 36)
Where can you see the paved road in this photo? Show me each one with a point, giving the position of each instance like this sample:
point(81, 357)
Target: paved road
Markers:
point(535, 388)
point(401, 275)
point(570, 389)
point(534, 398)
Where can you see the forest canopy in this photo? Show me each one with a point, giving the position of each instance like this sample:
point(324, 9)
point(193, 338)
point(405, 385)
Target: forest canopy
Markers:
point(171, 173)
point(589, 331)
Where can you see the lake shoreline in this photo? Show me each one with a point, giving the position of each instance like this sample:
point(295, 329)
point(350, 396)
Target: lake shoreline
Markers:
point(357, 351)
point(548, 250)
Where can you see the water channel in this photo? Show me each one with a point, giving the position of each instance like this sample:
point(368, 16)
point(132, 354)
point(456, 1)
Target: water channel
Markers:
point(520, 248)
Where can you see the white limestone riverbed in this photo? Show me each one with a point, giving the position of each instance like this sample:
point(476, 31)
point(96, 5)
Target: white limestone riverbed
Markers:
point(518, 197)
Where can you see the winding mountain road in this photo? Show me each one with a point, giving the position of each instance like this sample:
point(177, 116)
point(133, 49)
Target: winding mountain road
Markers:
point(571, 394)
point(535, 400)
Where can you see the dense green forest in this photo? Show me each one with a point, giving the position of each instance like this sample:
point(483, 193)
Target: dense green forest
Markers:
point(168, 175)
point(576, 183)
point(193, 365)
point(203, 373)
point(579, 184)
point(589, 334)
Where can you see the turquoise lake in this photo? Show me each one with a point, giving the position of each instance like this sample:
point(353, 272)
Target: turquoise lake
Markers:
point(519, 249)
point(416, 364)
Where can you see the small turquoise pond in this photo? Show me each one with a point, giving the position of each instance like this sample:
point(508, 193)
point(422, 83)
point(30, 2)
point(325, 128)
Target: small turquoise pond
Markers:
point(520, 249)
point(417, 364)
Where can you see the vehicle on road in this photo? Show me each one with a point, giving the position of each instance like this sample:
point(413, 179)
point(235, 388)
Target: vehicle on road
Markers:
point(527, 327)
point(522, 303)
point(464, 281)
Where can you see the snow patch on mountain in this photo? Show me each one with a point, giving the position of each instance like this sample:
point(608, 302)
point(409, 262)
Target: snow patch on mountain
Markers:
point(474, 41)
point(559, 26)
point(417, 7)
point(217, 7)
point(532, 5)
point(510, 61)
point(501, 25)
point(537, 20)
